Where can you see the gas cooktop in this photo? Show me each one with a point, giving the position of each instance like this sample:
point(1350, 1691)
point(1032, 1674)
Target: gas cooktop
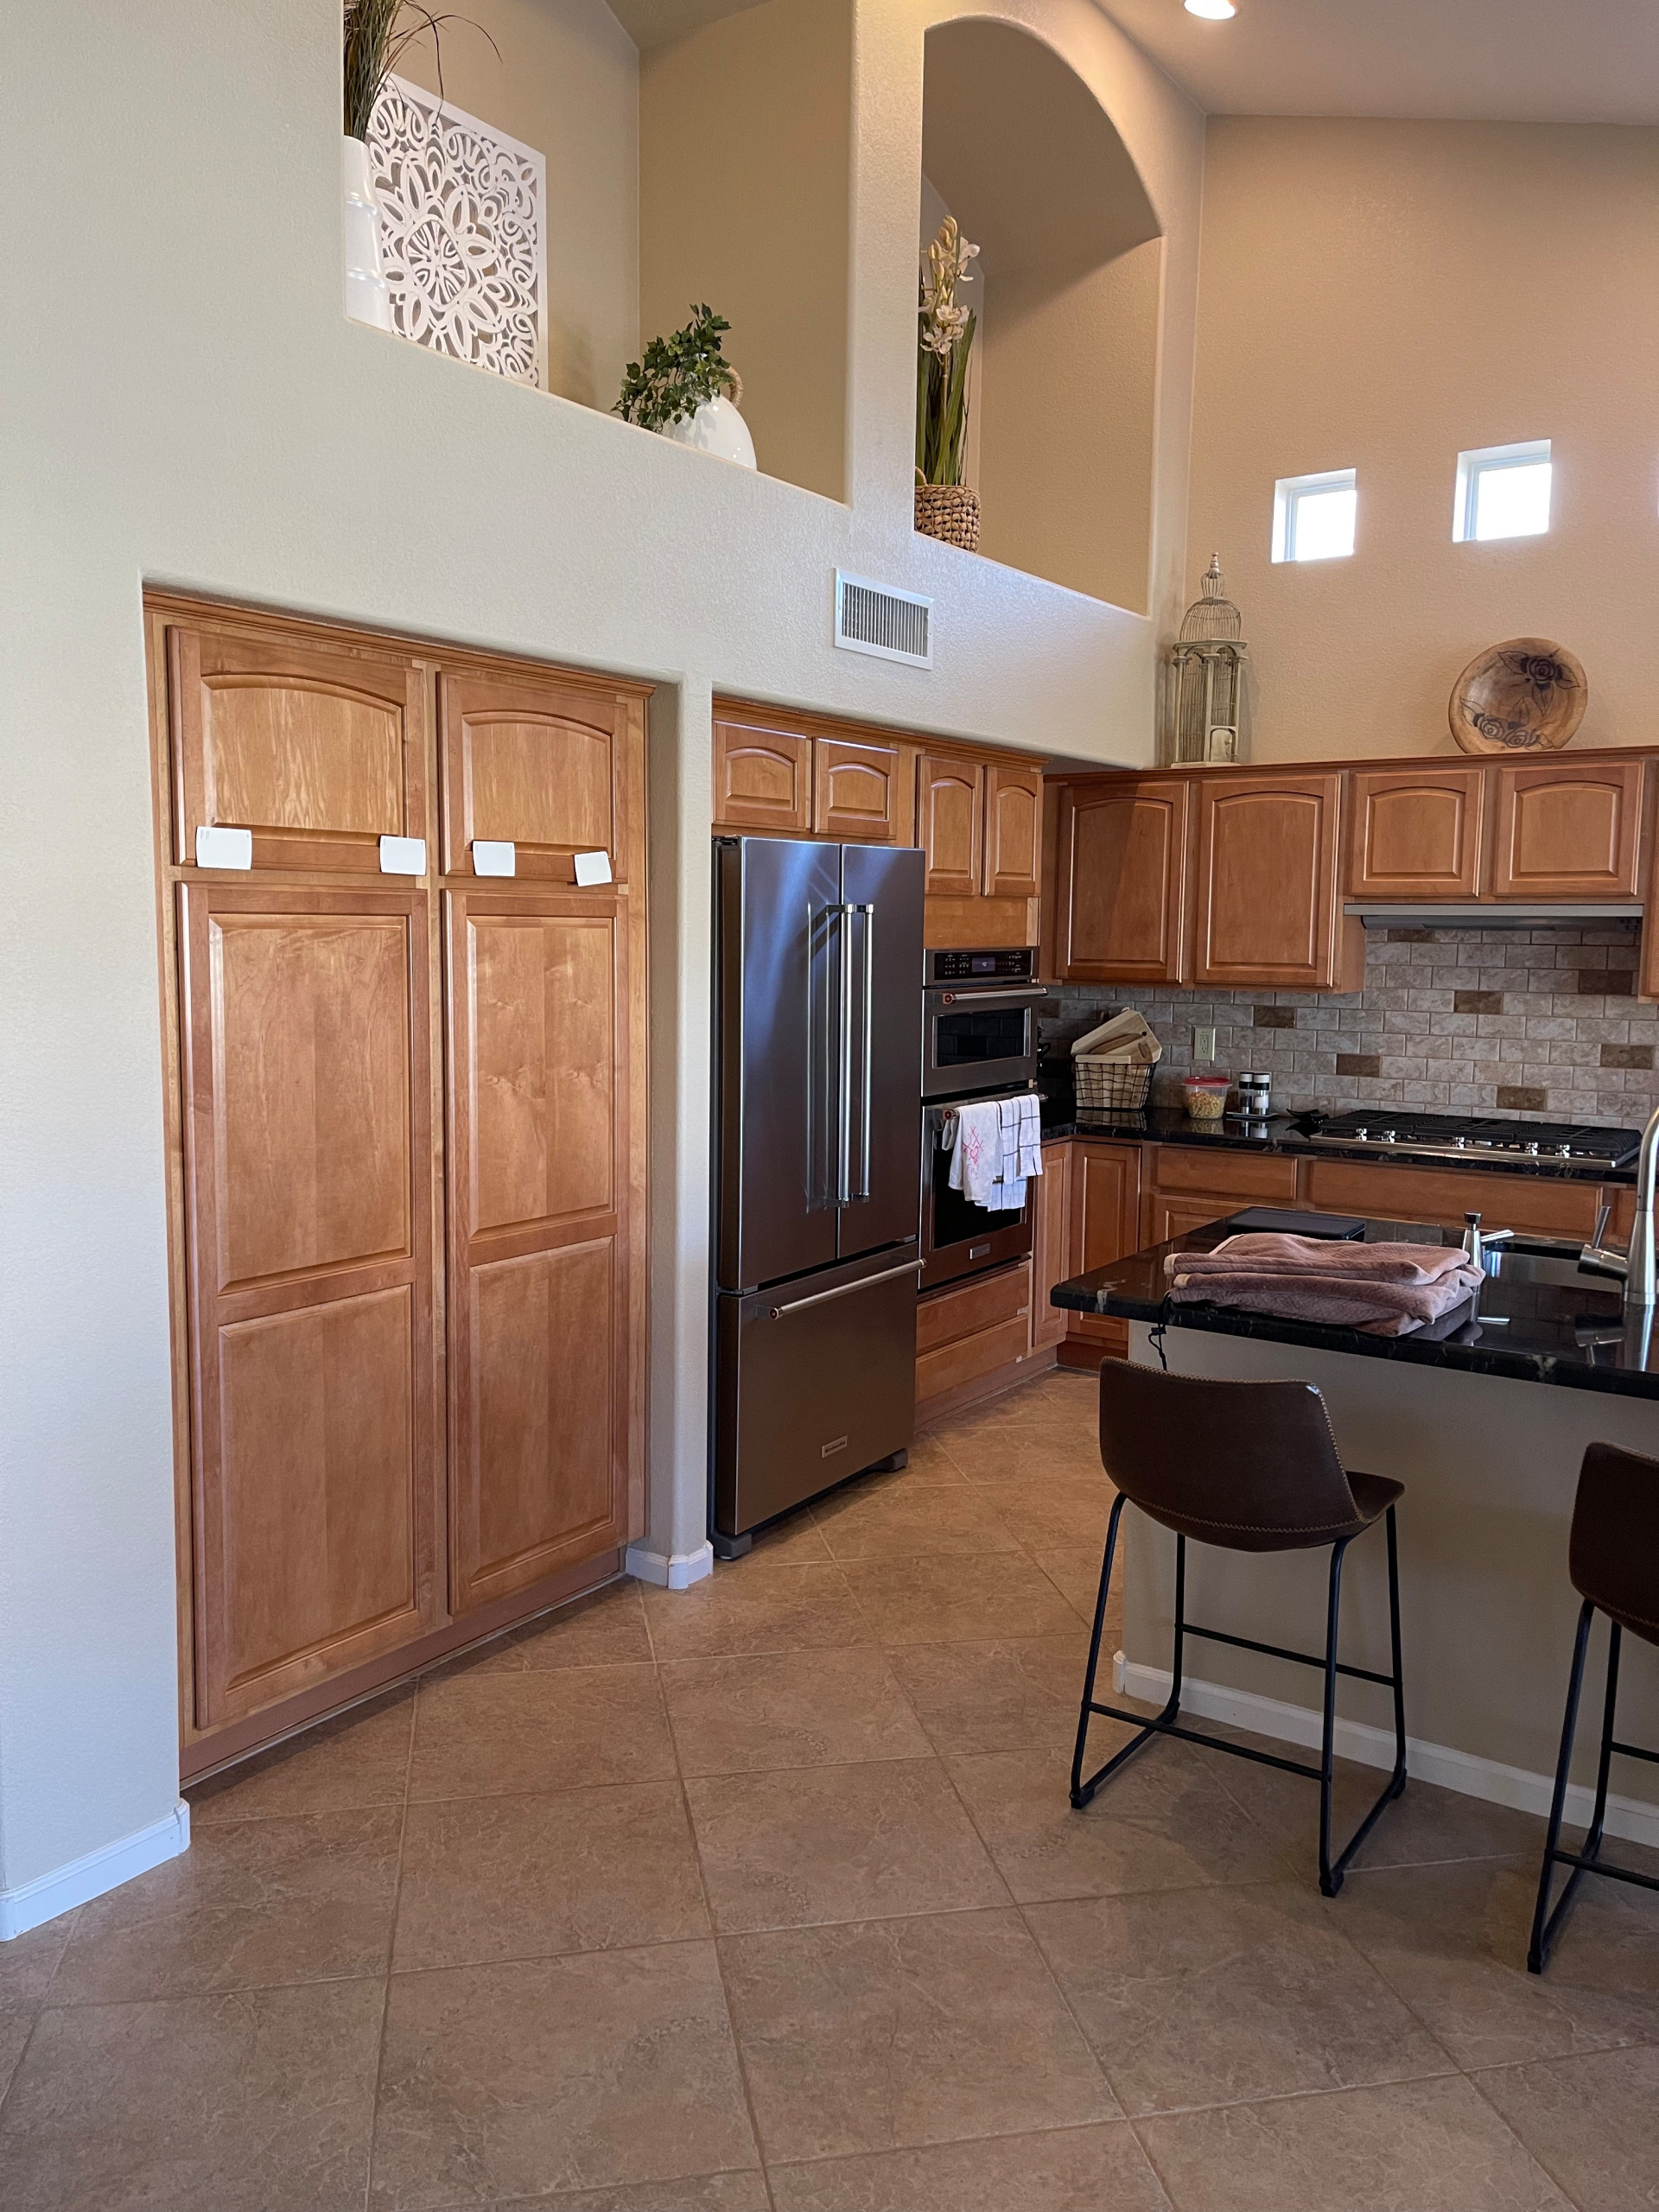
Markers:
point(1463, 1136)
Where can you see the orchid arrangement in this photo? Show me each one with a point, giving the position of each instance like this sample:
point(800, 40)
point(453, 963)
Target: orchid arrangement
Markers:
point(945, 341)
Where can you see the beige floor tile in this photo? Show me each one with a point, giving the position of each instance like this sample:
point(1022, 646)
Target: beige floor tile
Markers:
point(930, 1458)
point(894, 2033)
point(556, 2074)
point(1017, 1695)
point(233, 2103)
point(17, 2025)
point(795, 1540)
point(525, 1877)
point(605, 1629)
point(359, 1759)
point(1207, 1996)
point(837, 1843)
point(744, 2192)
point(1076, 1574)
point(949, 1600)
point(788, 1709)
point(1016, 1454)
point(1452, 1941)
point(250, 1905)
point(1162, 1824)
point(1592, 2123)
point(486, 1735)
point(908, 1520)
point(1065, 2170)
point(1417, 2146)
point(758, 1604)
point(28, 1962)
point(1058, 1514)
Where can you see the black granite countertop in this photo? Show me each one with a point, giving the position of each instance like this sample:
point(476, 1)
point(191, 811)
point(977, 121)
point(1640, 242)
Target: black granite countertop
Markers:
point(1286, 1133)
point(1540, 1318)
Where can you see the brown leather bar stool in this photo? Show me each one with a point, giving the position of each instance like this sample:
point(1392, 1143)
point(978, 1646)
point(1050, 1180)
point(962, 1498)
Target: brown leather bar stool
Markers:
point(1249, 1467)
point(1613, 1558)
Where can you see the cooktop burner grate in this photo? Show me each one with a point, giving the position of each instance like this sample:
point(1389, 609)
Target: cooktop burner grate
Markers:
point(1462, 1136)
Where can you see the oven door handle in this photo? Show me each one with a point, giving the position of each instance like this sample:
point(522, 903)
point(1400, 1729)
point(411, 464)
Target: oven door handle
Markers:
point(1027, 995)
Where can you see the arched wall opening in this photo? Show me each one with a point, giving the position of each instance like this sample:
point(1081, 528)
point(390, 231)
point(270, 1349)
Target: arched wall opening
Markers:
point(1060, 442)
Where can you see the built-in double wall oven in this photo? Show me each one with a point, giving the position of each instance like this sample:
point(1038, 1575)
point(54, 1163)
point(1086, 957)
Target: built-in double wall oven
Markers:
point(979, 1041)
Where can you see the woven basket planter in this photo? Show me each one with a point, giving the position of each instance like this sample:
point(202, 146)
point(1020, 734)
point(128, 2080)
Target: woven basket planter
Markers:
point(949, 511)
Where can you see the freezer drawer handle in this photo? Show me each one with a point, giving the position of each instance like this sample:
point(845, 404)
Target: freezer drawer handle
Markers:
point(823, 1297)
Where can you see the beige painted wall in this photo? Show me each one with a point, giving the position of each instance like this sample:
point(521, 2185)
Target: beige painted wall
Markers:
point(188, 405)
point(566, 82)
point(744, 191)
point(1382, 296)
point(1071, 381)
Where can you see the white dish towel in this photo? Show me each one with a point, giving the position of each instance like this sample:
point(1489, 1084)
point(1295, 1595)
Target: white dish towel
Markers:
point(996, 1144)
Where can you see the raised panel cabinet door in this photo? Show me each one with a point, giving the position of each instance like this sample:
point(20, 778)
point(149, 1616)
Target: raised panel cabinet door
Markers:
point(1121, 900)
point(308, 1203)
point(1267, 880)
point(541, 1212)
point(950, 824)
point(319, 750)
point(1172, 1217)
point(1105, 1222)
point(1013, 831)
point(1416, 833)
point(1571, 831)
point(855, 791)
point(763, 777)
point(1051, 1244)
point(539, 764)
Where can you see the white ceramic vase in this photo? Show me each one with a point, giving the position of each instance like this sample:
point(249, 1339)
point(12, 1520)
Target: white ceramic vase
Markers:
point(368, 298)
point(715, 428)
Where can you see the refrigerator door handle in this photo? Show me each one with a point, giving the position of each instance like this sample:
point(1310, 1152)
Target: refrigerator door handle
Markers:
point(844, 1057)
point(868, 1050)
point(867, 1282)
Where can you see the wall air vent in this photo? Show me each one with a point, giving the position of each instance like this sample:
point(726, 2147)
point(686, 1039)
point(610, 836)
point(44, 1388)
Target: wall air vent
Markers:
point(876, 618)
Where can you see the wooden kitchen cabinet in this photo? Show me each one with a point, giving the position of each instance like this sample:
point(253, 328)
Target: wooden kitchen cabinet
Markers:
point(1105, 1225)
point(315, 1477)
point(318, 748)
point(1444, 1196)
point(1120, 894)
point(539, 763)
point(950, 824)
point(1188, 1188)
point(1013, 831)
point(970, 1333)
point(1051, 1243)
point(763, 777)
point(1570, 830)
point(1268, 879)
point(859, 792)
point(1416, 833)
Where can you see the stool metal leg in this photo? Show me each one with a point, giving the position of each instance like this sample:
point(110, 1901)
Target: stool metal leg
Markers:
point(1591, 1846)
point(1083, 1791)
point(1545, 1923)
point(1331, 1872)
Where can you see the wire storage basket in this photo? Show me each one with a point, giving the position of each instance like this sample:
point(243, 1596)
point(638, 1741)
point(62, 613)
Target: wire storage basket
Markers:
point(1117, 1086)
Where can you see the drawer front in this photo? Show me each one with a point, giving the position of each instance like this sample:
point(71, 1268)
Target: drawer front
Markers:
point(970, 1357)
point(1230, 1174)
point(949, 1315)
point(1430, 1195)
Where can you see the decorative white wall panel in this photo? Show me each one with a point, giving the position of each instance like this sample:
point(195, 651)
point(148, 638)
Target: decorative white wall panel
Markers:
point(462, 211)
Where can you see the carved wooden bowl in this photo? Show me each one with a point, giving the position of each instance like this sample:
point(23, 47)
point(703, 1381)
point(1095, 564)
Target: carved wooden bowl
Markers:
point(1526, 695)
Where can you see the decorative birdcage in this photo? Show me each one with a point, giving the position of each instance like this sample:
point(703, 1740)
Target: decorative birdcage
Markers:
point(1205, 709)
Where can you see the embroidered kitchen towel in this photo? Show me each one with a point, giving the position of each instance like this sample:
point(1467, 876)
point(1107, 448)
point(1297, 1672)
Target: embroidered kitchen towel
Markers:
point(976, 1151)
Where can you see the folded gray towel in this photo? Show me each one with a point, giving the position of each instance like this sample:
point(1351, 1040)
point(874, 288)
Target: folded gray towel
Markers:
point(1271, 1254)
point(1380, 1308)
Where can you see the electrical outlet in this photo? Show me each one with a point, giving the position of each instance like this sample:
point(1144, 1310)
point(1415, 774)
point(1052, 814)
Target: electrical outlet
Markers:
point(1204, 1044)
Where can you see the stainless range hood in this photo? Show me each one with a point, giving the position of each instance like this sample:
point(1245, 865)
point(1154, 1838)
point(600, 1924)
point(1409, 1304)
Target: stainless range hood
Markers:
point(1379, 914)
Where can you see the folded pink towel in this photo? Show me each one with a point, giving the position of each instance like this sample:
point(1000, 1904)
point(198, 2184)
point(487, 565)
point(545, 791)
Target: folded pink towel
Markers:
point(1352, 1302)
point(1322, 1255)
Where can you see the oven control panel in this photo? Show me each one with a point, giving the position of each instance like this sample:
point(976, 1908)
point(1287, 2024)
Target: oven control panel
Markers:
point(1012, 964)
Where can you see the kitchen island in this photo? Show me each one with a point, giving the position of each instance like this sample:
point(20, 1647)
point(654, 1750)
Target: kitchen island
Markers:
point(1484, 1417)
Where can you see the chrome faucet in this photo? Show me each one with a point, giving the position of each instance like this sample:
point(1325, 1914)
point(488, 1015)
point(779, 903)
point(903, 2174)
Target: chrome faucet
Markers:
point(1636, 1265)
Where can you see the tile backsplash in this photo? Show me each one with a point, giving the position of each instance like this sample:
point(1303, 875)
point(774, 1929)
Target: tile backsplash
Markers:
point(1527, 1021)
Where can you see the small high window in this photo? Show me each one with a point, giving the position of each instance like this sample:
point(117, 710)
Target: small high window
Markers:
point(1502, 492)
point(1314, 516)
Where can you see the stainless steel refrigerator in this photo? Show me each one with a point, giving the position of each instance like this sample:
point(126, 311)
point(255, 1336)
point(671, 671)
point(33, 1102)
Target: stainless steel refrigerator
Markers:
point(817, 1170)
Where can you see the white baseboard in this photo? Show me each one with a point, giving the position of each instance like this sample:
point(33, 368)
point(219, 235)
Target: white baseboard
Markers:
point(1491, 1779)
point(32, 1903)
point(670, 1571)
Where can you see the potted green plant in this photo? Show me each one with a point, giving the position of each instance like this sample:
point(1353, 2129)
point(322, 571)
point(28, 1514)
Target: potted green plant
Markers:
point(376, 32)
point(680, 389)
point(945, 506)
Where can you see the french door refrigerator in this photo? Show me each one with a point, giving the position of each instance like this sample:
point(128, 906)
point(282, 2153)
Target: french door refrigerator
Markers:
point(817, 1170)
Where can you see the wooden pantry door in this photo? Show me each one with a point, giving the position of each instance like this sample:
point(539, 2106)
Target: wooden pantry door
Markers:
point(545, 1282)
point(307, 1161)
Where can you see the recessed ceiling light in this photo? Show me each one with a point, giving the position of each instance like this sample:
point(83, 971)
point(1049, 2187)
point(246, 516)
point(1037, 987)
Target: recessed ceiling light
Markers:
point(1213, 11)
